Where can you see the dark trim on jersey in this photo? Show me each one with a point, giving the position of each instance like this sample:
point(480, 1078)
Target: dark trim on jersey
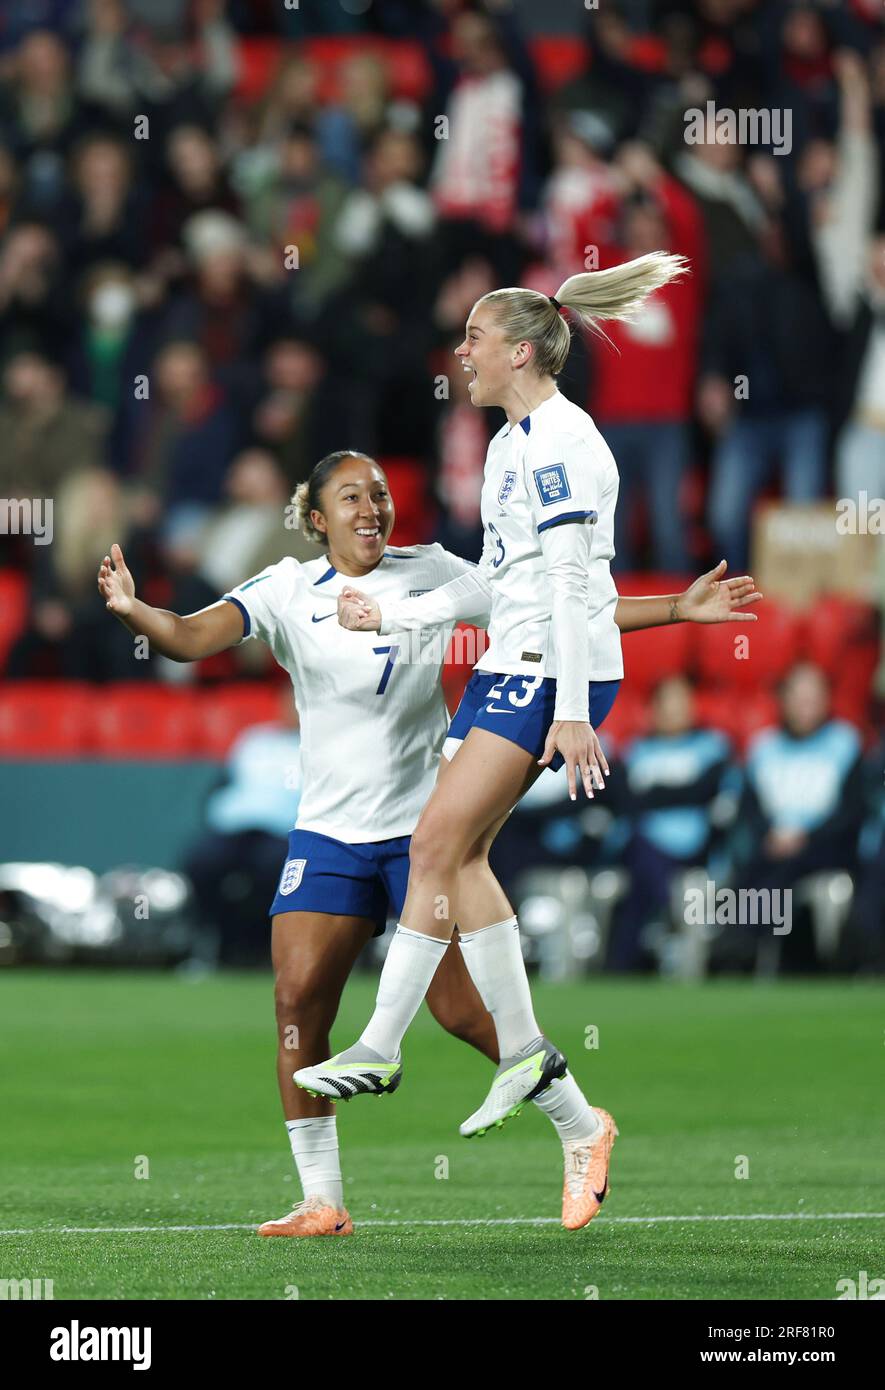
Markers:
point(505, 430)
point(568, 516)
point(389, 555)
point(247, 621)
point(323, 577)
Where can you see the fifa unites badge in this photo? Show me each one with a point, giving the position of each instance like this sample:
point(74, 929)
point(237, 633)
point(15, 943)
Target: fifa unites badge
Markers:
point(507, 486)
point(293, 872)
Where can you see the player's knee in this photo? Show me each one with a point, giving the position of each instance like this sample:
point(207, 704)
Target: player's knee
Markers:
point(430, 850)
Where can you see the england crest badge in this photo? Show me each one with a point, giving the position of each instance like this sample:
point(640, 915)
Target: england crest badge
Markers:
point(507, 486)
point(293, 870)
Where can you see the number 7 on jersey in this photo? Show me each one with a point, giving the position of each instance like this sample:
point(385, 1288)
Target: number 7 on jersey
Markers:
point(392, 652)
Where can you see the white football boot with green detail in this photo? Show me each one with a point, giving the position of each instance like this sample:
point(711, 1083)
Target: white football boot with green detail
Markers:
point(518, 1079)
point(356, 1072)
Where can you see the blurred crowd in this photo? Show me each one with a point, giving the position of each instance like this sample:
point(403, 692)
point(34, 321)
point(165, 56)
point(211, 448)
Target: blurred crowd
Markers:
point(207, 282)
point(234, 237)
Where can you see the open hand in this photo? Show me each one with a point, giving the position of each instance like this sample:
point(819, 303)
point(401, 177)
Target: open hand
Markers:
point(713, 599)
point(115, 583)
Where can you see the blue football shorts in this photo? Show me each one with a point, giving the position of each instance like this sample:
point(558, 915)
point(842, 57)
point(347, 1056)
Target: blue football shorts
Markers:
point(325, 875)
point(520, 709)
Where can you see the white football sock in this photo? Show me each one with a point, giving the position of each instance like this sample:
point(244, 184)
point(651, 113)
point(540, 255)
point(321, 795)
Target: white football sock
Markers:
point(566, 1108)
point(405, 979)
point(315, 1151)
point(493, 957)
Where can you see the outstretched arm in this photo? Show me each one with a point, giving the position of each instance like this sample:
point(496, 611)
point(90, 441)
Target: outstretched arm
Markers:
point(710, 599)
point(198, 635)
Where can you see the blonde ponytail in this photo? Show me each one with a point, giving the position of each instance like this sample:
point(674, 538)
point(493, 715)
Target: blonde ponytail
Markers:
point(596, 295)
point(619, 292)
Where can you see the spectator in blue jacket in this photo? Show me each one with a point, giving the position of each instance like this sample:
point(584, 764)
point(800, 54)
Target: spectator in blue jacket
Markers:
point(670, 778)
point(803, 798)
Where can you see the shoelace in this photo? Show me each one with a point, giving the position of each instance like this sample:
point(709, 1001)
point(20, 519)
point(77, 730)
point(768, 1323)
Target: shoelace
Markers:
point(577, 1164)
point(305, 1205)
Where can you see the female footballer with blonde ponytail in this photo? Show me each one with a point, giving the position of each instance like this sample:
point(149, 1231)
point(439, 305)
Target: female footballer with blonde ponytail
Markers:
point(548, 679)
point(373, 726)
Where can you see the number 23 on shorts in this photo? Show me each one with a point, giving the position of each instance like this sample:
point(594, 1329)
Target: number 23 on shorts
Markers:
point(529, 685)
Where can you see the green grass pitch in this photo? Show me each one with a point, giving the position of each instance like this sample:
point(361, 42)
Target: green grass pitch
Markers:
point(101, 1069)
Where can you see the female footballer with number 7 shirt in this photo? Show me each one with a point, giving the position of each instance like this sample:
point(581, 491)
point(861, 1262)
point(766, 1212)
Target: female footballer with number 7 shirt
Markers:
point(373, 726)
point(549, 677)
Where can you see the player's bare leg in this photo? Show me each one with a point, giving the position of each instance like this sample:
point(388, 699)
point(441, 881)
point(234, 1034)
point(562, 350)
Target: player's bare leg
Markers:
point(472, 798)
point(313, 955)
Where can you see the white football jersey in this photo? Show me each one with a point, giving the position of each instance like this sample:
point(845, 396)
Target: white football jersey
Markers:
point(373, 717)
point(553, 465)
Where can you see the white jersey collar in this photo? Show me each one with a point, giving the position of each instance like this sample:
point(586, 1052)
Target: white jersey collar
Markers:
point(531, 419)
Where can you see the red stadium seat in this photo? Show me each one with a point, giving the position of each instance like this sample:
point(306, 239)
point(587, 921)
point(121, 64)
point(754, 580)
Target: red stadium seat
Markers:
point(408, 69)
point(655, 653)
point(258, 61)
point(145, 721)
point(771, 646)
point(45, 719)
point(13, 610)
point(837, 630)
point(225, 712)
point(740, 719)
point(648, 53)
point(627, 719)
point(851, 704)
point(558, 59)
point(414, 510)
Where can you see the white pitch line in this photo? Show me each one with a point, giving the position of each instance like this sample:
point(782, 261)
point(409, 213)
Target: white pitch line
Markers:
point(465, 1221)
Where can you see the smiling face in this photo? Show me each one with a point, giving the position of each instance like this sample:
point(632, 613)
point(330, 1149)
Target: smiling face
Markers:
point(489, 360)
point(357, 516)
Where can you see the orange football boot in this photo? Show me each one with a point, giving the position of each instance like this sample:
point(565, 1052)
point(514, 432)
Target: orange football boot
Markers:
point(585, 1186)
point(315, 1216)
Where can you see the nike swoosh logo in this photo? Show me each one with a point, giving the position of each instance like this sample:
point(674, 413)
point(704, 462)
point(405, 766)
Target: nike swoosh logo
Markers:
point(315, 619)
point(341, 1225)
point(493, 709)
point(600, 1196)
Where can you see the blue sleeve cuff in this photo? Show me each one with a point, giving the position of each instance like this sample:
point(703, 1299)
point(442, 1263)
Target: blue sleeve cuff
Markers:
point(247, 621)
point(589, 517)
